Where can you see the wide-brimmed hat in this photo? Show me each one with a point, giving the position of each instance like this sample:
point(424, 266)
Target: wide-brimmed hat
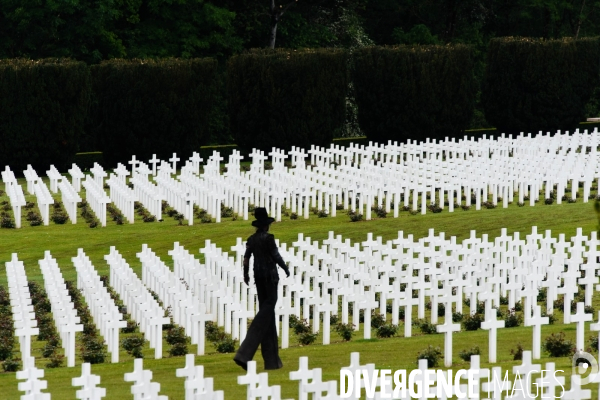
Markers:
point(262, 217)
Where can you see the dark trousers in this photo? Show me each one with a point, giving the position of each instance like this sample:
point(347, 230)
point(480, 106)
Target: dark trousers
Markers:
point(263, 331)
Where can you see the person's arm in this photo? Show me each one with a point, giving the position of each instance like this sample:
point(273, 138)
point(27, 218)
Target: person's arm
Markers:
point(276, 256)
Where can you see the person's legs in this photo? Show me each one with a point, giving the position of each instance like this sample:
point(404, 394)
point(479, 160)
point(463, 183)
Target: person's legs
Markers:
point(269, 345)
point(259, 326)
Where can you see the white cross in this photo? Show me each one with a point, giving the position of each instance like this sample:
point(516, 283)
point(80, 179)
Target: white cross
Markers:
point(89, 382)
point(250, 379)
point(492, 323)
point(154, 161)
point(448, 328)
point(537, 321)
point(548, 382)
point(134, 164)
point(525, 370)
point(174, 160)
point(580, 317)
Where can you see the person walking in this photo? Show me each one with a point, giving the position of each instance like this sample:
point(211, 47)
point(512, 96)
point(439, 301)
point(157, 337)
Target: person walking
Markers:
point(263, 330)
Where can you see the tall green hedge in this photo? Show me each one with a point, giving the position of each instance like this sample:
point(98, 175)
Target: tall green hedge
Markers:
point(145, 107)
point(414, 92)
point(535, 84)
point(42, 111)
point(286, 98)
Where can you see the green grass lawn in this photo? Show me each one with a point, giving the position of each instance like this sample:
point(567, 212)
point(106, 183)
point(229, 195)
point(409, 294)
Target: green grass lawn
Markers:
point(64, 240)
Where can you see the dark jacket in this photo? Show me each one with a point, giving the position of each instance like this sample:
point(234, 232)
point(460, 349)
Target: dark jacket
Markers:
point(266, 255)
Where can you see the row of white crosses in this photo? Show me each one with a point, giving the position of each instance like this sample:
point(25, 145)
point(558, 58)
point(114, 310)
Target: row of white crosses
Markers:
point(417, 173)
point(186, 308)
point(357, 379)
point(70, 198)
point(106, 314)
point(121, 195)
point(24, 320)
point(44, 199)
point(218, 286)
point(63, 310)
point(95, 194)
point(145, 191)
point(142, 307)
point(15, 194)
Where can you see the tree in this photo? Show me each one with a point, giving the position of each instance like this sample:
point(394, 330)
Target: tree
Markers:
point(276, 14)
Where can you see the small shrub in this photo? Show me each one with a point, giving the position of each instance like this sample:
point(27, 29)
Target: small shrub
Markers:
point(512, 319)
point(225, 345)
point(551, 317)
point(472, 322)
point(572, 200)
point(59, 216)
point(7, 222)
point(293, 321)
point(432, 355)
point(377, 320)
point(489, 205)
point(549, 201)
point(226, 212)
point(302, 326)
point(434, 208)
point(557, 346)
point(178, 349)
point(93, 351)
point(346, 331)
point(356, 217)
point(457, 317)
point(519, 306)
point(426, 327)
point(48, 350)
point(56, 361)
point(11, 364)
point(339, 206)
point(133, 345)
point(212, 331)
point(465, 207)
point(294, 215)
point(176, 335)
point(387, 330)
point(520, 204)
point(334, 319)
point(6, 345)
point(593, 343)
point(518, 352)
point(307, 338)
point(380, 212)
point(206, 219)
point(466, 354)
point(130, 328)
point(322, 214)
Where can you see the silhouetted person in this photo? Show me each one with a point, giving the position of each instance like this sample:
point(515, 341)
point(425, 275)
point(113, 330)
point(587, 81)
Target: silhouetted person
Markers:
point(262, 331)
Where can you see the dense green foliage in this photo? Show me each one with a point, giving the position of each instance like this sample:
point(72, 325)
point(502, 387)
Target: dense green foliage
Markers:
point(414, 92)
point(534, 84)
point(287, 98)
point(147, 107)
point(42, 110)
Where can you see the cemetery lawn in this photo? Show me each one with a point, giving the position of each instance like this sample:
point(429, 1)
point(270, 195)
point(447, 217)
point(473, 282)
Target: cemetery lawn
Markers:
point(64, 240)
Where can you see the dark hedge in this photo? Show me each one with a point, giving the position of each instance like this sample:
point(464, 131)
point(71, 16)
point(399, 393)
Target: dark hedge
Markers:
point(145, 107)
point(414, 92)
point(533, 85)
point(43, 105)
point(286, 98)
